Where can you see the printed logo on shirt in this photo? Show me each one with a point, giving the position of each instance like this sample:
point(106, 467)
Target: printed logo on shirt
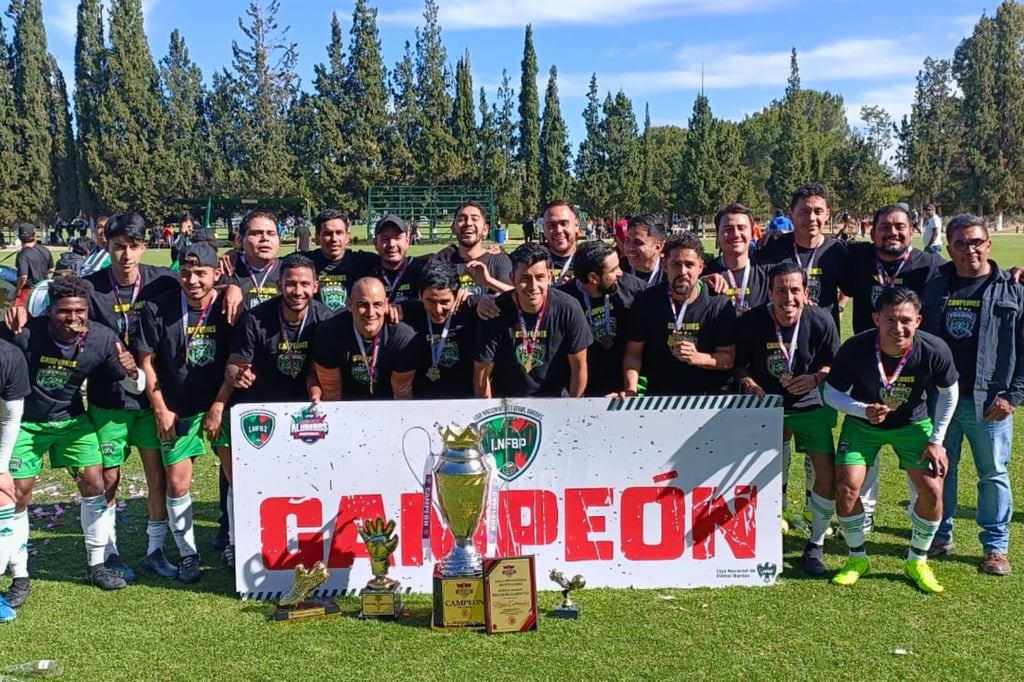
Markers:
point(900, 394)
point(52, 379)
point(776, 363)
point(467, 284)
point(814, 283)
point(597, 325)
point(961, 316)
point(531, 361)
point(257, 295)
point(333, 293)
point(358, 369)
point(201, 352)
point(450, 352)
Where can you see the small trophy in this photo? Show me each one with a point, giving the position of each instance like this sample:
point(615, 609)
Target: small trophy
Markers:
point(382, 596)
point(567, 609)
point(296, 603)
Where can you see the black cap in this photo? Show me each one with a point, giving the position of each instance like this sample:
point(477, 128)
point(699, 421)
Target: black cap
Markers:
point(25, 230)
point(200, 254)
point(204, 234)
point(392, 220)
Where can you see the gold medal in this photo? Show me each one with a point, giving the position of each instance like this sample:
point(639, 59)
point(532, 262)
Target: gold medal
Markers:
point(528, 364)
point(892, 401)
point(434, 373)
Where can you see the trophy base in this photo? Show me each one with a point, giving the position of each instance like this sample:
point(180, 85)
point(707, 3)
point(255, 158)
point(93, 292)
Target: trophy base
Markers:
point(458, 603)
point(310, 609)
point(566, 612)
point(381, 602)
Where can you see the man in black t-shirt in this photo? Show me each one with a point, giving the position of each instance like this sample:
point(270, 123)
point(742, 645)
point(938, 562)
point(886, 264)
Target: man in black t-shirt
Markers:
point(271, 353)
point(645, 239)
point(446, 360)
point(605, 294)
point(301, 235)
point(528, 229)
point(399, 272)
point(34, 262)
point(480, 272)
point(881, 379)
point(337, 267)
point(183, 348)
point(14, 388)
point(786, 348)
point(561, 232)
point(63, 350)
point(681, 337)
point(359, 355)
point(732, 273)
point(256, 268)
point(537, 345)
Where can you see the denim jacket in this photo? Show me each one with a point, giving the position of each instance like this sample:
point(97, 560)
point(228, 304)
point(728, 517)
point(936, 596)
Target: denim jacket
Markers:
point(1000, 369)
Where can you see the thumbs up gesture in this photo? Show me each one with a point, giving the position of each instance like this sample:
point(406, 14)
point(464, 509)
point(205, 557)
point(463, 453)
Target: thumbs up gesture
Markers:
point(127, 360)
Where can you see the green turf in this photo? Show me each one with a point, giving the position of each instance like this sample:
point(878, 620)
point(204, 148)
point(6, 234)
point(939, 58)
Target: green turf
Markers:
point(160, 630)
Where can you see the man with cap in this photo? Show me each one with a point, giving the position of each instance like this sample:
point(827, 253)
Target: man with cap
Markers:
point(34, 262)
point(399, 271)
point(932, 230)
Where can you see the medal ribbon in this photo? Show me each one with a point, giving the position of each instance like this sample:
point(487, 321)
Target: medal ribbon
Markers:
point(678, 313)
point(566, 267)
point(884, 278)
point(654, 273)
point(790, 353)
point(371, 364)
point(199, 323)
point(889, 381)
point(265, 271)
point(136, 288)
point(740, 294)
point(530, 344)
point(437, 349)
point(284, 328)
point(810, 261)
point(393, 287)
point(607, 317)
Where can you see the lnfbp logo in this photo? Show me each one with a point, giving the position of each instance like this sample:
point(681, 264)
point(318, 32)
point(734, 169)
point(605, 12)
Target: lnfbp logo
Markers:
point(513, 437)
point(257, 427)
point(309, 425)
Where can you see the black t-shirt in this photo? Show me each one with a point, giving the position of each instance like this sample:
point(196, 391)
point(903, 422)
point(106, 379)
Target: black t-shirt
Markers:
point(498, 264)
point(648, 279)
point(302, 238)
point(14, 383)
point(189, 381)
point(58, 370)
point(561, 268)
point(863, 283)
point(608, 317)
point(960, 319)
point(929, 365)
point(337, 277)
point(112, 306)
point(34, 262)
point(335, 346)
point(544, 372)
point(827, 263)
point(280, 366)
point(710, 320)
point(402, 284)
point(757, 349)
point(454, 375)
point(257, 285)
point(756, 292)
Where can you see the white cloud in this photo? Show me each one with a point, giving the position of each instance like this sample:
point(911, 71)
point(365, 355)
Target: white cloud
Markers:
point(895, 99)
point(468, 14)
point(61, 16)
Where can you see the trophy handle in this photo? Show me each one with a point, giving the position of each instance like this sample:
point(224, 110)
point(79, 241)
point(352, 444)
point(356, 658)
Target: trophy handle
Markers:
point(430, 452)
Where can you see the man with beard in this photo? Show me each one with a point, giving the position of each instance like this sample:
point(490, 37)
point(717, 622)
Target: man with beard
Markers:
point(645, 239)
point(446, 360)
point(537, 345)
point(786, 348)
point(337, 268)
point(359, 355)
point(605, 294)
point(480, 271)
point(271, 351)
point(881, 379)
point(63, 350)
point(256, 268)
point(681, 337)
point(399, 272)
point(733, 273)
point(561, 230)
point(183, 348)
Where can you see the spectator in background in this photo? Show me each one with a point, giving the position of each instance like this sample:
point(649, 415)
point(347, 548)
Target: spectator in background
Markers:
point(780, 223)
point(72, 261)
point(528, 229)
point(34, 262)
point(932, 230)
point(98, 257)
point(301, 235)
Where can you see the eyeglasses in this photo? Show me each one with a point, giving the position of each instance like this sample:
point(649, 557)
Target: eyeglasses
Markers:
point(963, 245)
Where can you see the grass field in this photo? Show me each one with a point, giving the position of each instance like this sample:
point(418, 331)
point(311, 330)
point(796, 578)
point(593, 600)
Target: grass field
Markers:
point(162, 630)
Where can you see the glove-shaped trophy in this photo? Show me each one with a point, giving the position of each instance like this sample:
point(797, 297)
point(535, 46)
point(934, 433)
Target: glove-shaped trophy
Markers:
point(382, 596)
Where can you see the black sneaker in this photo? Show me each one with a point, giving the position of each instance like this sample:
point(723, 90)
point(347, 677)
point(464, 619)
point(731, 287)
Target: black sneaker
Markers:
point(106, 579)
point(115, 564)
point(188, 569)
point(158, 563)
point(813, 560)
point(228, 556)
point(18, 592)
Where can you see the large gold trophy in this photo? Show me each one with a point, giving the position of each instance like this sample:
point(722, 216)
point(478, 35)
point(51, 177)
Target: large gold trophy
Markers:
point(382, 596)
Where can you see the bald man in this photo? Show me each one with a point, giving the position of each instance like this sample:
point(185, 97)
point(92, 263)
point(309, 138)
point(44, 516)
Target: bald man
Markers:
point(359, 355)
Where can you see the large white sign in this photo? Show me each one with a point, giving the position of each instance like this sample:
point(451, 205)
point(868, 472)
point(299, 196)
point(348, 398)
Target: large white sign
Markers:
point(650, 492)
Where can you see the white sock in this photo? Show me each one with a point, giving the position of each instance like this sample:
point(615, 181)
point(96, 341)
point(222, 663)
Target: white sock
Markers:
point(93, 510)
point(821, 516)
point(19, 559)
point(853, 533)
point(156, 531)
point(7, 535)
point(110, 528)
point(179, 517)
point(231, 515)
point(922, 533)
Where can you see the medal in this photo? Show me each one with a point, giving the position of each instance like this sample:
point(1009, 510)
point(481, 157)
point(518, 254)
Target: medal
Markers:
point(530, 343)
point(126, 315)
point(291, 362)
point(677, 336)
point(369, 362)
point(789, 354)
point(437, 349)
point(786, 378)
point(191, 338)
point(433, 373)
point(739, 293)
point(265, 271)
point(891, 401)
point(607, 338)
point(889, 397)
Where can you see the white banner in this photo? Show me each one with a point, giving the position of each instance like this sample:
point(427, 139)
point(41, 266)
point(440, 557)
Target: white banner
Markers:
point(650, 492)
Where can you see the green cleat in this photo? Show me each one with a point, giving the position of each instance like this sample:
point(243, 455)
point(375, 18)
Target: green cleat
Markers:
point(920, 572)
point(852, 570)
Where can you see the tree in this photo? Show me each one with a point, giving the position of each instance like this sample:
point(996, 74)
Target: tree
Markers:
point(435, 145)
point(700, 169)
point(791, 165)
point(326, 120)
point(760, 133)
point(591, 166)
point(63, 154)
point(929, 146)
point(9, 152)
point(733, 181)
point(463, 121)
point(492, 161)
point(90, 74)
point(974, 67)
point(555, 181)
point(366, 93)
point(529, 126)
point(403, 125)
point(1009, 100)
point(508, 195)
point(32, 101)
point(622, 154)
point(664, 159)
point(184, 97)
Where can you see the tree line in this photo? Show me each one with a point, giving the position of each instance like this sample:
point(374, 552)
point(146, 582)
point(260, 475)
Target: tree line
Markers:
point(146, 133)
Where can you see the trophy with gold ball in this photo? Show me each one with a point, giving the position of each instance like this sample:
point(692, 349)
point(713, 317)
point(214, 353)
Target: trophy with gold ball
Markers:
point(382, 596)
point(568, 608)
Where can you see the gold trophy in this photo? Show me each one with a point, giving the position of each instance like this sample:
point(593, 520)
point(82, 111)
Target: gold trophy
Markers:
point(382, 596)
point(296, 603)
point(568, 608)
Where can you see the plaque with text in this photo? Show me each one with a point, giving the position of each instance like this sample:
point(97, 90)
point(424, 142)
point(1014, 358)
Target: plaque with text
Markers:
point(510, 594)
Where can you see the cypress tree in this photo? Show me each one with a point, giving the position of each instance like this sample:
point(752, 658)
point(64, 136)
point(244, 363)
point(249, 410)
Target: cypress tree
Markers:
point(184, 98)
point(699, 170)
point(327, 120)
point(463, 121)
point(34, 200)
point(555, 181)
point(591, 166)
point(529, 126)
point(63, 154)
point(366, 92)
point(792, 160)
point(403, 131)
point(435, 145)
point(507, 193)
point(10, 161)
point(622, 153)
point(90, 72)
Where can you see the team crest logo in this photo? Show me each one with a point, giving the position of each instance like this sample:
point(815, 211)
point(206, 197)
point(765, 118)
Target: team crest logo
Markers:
point(767, 571)
point(290, 364)
point(508, 569)
point(333, 296)
point(776, 364)
point(201, 352)
point(309, 425)
point(257, 427)
point(531, 360)
point(876, 291)
point(814, 288)
point(52, 379)
point(450, 352)
point(899, 395)
point(513, 438)
point(960, 323)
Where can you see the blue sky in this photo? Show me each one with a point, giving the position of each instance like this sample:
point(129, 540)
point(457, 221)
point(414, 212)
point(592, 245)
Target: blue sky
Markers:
point(868, 51)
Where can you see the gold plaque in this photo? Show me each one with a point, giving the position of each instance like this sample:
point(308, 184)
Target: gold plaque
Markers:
point(510, 594)
point(458, 602)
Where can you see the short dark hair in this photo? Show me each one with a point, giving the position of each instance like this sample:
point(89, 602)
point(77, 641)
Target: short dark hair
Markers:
point(959, 223)
point(886, 210)
point(529, 255)
point(475, 204)
point(786, 267)
point(186, 218)
point(808, 190)
point(649, 222)
point(734, 209)
point(294, 261)
point(684, 240)
point(329, 214)
point(69, 286)
point(131, 226)
point(243, 227)
point(439, 275)
point(589, 258)
point(556, 203)
point(894, 296)
point(83, 246)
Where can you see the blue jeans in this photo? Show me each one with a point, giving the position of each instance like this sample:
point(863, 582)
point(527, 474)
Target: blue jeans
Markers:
point(990, 444)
